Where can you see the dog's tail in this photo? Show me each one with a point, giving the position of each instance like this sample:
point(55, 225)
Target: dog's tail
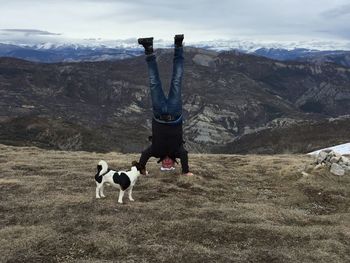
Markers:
point(102, 168)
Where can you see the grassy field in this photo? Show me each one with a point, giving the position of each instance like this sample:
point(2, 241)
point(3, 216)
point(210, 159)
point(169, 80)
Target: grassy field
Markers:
point(253, 208)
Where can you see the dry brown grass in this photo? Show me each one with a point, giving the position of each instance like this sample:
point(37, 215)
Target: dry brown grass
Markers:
point(236, 209)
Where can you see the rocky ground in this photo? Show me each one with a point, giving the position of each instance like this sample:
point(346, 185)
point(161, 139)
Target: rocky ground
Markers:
point(237, 208)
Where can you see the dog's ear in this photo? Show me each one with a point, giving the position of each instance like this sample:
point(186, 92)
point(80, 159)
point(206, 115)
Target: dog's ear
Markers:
point(139, 167)
point(98, 178)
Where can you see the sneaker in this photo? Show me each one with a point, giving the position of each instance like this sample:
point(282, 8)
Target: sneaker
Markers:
point(178, 40)
point(147, 44)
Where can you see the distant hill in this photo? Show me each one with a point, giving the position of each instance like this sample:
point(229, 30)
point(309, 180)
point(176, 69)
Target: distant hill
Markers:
point(66, 53)
point(298, 137)
point(339, 57)
point(53, 53)
point(229, 99)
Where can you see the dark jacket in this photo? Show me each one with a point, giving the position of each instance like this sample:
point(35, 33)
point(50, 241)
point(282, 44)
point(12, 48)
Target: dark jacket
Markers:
point(166, 140)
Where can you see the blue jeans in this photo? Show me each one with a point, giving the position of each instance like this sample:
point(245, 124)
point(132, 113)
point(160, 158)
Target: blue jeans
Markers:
point(171, 105)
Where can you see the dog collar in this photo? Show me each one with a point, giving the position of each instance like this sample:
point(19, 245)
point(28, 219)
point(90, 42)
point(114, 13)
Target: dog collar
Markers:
point(108, 170)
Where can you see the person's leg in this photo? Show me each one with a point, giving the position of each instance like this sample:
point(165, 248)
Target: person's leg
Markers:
point(157, 94)
point(174, 98)
point(158, 98)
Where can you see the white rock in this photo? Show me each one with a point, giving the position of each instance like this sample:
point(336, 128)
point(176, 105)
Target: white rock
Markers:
point(334, 159)
point(337, 169)
point(318, 166)
point(330, 155)
point(337, 154)
point(321, 157)
point(345, 160)
point(345, 167)
point(305, 174)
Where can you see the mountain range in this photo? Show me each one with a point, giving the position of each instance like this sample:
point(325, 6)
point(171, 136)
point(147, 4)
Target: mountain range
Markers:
point(233, 102)
point(66, 52)
point(340, 57)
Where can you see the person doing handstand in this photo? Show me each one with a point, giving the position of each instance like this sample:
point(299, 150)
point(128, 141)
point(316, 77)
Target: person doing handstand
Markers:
point(167, 139)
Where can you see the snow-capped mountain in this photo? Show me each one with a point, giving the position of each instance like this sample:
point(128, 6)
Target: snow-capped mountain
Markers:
point(100, 49)
point(250, 46)
point(51, 53)
point(340, 57)
point(246, 45)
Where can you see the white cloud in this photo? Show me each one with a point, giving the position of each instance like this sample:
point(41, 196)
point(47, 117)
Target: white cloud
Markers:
point(342, 10)
point(28, 32)
point(197, 19)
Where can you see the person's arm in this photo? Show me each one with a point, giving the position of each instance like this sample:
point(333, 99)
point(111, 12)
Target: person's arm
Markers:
point(145, 155)
point(183, 155)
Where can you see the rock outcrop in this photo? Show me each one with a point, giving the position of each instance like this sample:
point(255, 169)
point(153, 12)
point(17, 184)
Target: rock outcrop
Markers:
point(337, 164)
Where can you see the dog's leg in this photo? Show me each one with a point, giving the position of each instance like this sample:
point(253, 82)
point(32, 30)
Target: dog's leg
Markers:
point(101, 192)
point(130, 194)
point(121, 195)
point(98, 190)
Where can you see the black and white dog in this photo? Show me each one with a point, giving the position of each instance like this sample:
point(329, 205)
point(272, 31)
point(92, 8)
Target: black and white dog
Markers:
point(123, 180)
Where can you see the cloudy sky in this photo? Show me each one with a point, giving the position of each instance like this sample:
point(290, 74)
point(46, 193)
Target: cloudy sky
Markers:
point(275, 20)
